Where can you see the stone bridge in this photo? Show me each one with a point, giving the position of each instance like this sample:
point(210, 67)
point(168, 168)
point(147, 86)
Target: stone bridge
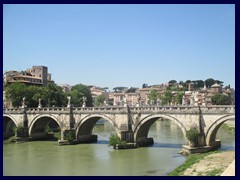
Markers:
point(130, 123)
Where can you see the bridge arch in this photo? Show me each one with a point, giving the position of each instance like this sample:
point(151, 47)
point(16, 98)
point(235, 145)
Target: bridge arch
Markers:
point(142, 128)
point(39, 123)
point(213, 129)
point(86, 125)
point(8, 124)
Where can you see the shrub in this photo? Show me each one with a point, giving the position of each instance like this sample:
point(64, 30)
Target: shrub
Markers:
point(192, 134)
point(69, 136)
point(113, 140)
point(19, 129)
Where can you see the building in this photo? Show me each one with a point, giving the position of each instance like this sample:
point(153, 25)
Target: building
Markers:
point(216, 88)
point(37, 75)
point(66, 87)
point(97, 91)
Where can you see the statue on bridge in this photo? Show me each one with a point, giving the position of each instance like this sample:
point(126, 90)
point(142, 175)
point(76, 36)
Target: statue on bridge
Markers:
point(39, 103)
point(158, 102)
point(183, 100)
point(138, 100)
point(23, 102)
point(84, 101)
point(125, 101)
point(69, 102)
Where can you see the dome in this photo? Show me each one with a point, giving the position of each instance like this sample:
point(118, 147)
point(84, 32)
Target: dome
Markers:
point(216, 85)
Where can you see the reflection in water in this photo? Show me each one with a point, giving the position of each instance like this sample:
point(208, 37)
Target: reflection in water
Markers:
point(47, 158)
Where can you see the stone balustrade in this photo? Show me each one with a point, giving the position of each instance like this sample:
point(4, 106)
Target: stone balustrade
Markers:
point(145, 109)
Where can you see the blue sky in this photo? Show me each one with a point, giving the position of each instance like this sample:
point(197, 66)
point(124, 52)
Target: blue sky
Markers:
point(122, 45)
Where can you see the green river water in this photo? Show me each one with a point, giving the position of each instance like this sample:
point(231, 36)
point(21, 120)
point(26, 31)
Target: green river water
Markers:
point(46, 158)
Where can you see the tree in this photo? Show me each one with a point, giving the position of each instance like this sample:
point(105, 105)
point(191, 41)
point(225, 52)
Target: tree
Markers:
point(144, 85)
point(221, 99)
point(172, 82)
point(178, 97)
point(199, 83)
point(100, 100)
point(219, 82)
point(209, 82)
point(153, 96)
point(187, 82)
point(131, 90)
point(85, 90)
point(54, 95)
point(119, 89)
point(166, 98)
point(32, 95)
point(76, 97)
point(15, 93)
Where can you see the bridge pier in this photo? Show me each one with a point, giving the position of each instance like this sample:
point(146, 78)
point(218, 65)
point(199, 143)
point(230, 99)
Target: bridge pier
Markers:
point(127, 136)
point(143, 142)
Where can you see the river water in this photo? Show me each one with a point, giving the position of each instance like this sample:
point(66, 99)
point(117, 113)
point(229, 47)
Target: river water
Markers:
point(46, 158)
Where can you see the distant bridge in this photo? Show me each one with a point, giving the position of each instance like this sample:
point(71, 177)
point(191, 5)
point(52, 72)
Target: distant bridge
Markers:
point(130, 123)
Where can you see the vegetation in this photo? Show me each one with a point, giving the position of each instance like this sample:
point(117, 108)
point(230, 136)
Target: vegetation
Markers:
point(230, 129)
point(119, 89)
point(192, 134)
point(15, 93)
point(153, 96)
point(10, 140)
point(50, 95)
point(114, 140)
point(82, 90)
point(48, 130)
point(100, 100)
point(221, 99)
point(178, 97)
point(166, 98)
point(131, 90)
point(192, 159)
point(210, 81)
point(19, 129)
point(69, 135)
point(144, 85)
point(215, 172)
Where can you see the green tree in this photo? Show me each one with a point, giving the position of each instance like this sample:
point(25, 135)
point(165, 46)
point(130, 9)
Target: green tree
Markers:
point(76, 97)
point(131, 90)
point(85, 90)
point(153, 96)
point(209, 82)
point(99, 100)
point(199, 83)
point(119, 89)
point(54, 95)
point(172, 82)
point(166, 98)
point(178, 97)
point(187, 82)
point(219, 82)
point(144, 85)
point(32, 95)
point(220, 99)
point(15, 93)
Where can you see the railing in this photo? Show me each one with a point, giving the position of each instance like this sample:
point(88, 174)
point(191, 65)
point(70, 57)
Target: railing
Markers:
point(213, 108)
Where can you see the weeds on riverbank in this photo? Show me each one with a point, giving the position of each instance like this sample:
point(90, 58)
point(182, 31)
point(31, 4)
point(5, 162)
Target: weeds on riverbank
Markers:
point(230, 129)
point(192, 159)
point(12, 139)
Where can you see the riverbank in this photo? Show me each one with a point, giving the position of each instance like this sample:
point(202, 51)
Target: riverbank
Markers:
point(208, 164)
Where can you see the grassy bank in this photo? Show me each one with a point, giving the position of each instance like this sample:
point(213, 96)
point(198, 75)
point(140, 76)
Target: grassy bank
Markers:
point(230, 129)
point(192, 159)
